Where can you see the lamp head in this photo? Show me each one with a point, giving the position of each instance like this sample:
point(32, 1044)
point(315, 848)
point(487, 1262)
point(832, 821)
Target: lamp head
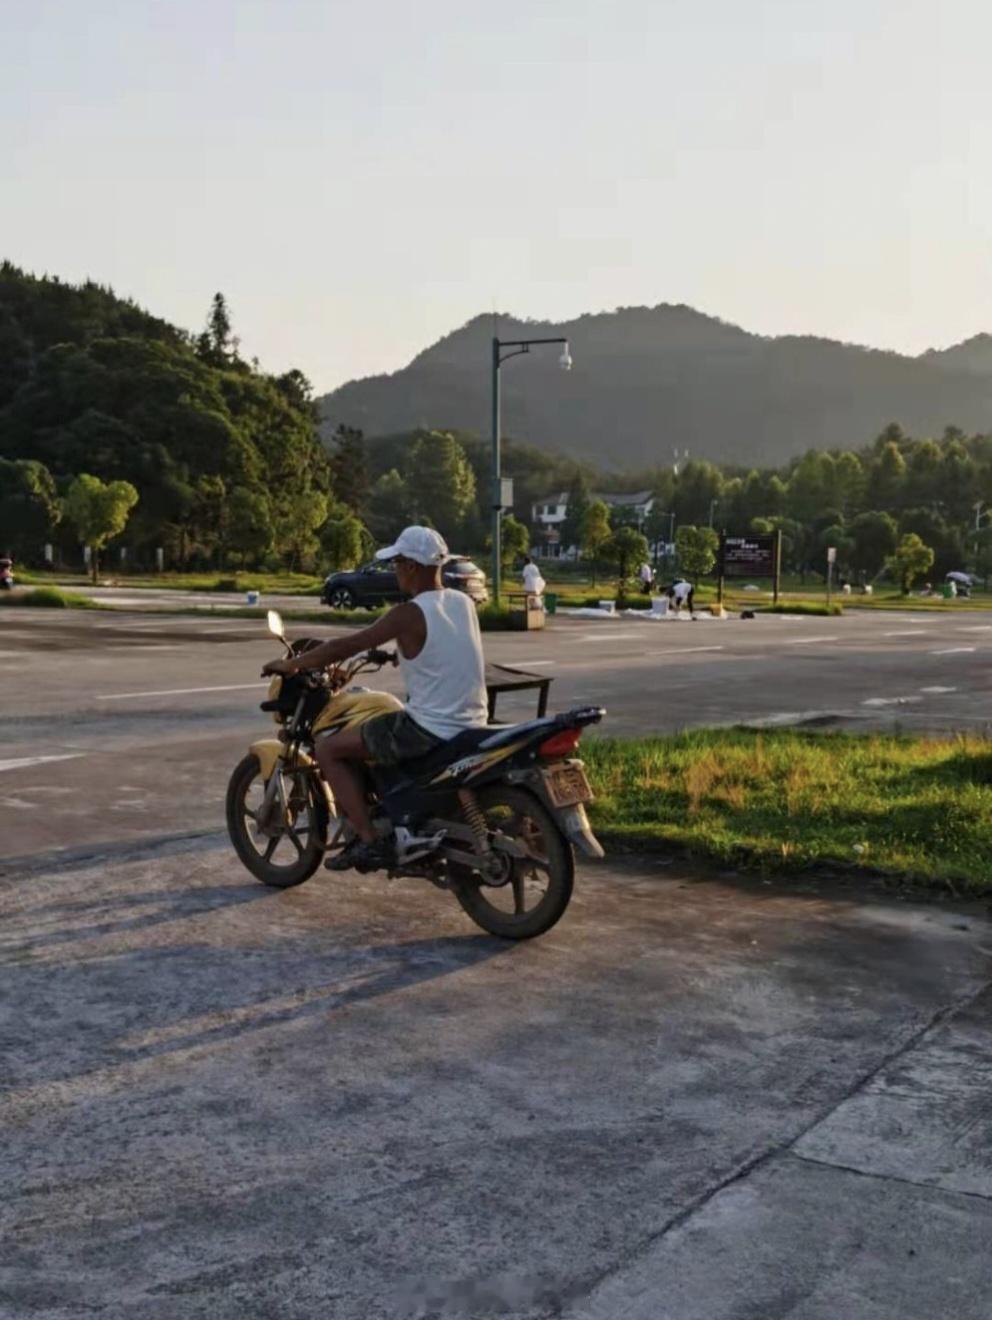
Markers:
point(565, 361)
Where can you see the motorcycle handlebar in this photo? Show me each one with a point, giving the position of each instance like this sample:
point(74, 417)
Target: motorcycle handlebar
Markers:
point(377, 657)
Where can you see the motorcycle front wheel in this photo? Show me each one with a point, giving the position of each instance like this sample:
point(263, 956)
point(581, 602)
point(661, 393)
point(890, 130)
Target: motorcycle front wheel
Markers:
point(538, 886)
point(290, 850)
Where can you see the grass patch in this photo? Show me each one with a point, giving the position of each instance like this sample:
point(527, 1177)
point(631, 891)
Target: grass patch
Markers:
point(919, 809)
point(48, 598)
point(491, 619)
point(801, 607)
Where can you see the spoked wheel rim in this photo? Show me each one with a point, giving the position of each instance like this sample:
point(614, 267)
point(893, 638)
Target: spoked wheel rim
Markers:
point(341, 599)
point(282, 845)
point(528, 878)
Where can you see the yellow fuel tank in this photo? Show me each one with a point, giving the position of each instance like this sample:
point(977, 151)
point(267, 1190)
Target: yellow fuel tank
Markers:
point(350, 708)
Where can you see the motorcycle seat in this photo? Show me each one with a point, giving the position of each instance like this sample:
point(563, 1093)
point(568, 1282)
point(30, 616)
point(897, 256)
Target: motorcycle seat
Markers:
point(489, 735)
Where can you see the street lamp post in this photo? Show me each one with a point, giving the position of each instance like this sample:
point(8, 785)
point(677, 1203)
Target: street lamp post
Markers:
point(517, 346)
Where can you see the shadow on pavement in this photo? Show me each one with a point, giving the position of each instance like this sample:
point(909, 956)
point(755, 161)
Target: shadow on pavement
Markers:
point(79, 1018)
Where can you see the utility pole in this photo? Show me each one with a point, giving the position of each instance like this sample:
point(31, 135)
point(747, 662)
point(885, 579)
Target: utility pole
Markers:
point(498, 358)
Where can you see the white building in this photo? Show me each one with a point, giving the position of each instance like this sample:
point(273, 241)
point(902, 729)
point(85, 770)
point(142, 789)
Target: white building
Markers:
point(638, 503)
point(548, 514)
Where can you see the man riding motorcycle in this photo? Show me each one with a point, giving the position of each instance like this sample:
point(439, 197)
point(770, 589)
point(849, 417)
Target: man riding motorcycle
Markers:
point(440, 654)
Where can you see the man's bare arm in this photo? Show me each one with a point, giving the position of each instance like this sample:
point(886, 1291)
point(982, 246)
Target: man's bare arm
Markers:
point(403, 623)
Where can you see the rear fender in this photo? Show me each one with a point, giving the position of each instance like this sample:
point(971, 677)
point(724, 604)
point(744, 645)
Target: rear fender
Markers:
point(572, 821)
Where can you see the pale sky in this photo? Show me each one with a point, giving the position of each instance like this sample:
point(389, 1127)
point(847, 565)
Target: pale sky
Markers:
point(361, 178)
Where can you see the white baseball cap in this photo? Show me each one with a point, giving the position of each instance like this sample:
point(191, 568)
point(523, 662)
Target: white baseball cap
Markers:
point(421, 544)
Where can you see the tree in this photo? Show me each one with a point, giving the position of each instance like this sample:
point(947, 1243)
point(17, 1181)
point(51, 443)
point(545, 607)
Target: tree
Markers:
point(219, 327)
point(657, 528)
point(98, 511)
point(514, 541)
point(983, 553)
point(350, 468)
point(911, 559)
point(441, 483)
point(849, 484)
point(887, 479)
point(344, 539)
point(874, 537)
point(811, 485)
point(922, 482)
point(626, 548)
point(695, 550)
point(956, 478)
point(29, 507)
point(296, 527)
point(945, 540)
point(250, 533)
point(390, 503)
point(595, 532)
point(577, 501)
point(832, 535)
point(699, 484)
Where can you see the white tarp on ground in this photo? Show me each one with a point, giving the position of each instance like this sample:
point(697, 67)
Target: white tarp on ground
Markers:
point(647, 615)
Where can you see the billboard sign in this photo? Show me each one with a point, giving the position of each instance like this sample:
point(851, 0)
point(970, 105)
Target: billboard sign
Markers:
point(748, 556)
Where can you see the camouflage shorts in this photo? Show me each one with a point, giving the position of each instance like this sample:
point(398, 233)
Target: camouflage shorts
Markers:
point(390, 739)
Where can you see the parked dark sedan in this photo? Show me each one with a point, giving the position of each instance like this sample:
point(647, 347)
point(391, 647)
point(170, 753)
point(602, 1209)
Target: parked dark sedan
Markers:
point(375, 584)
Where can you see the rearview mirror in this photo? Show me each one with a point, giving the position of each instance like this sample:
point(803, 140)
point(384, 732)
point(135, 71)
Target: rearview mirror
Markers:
point(274, 620)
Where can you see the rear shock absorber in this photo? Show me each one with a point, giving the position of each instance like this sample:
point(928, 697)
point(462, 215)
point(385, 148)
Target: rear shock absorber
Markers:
point(475, 817)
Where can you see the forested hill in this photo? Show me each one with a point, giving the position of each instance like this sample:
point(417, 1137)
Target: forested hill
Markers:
point(646, 380)
point(221, 454)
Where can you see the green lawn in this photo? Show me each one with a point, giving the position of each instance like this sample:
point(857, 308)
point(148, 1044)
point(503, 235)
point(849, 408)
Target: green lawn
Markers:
point(916, 808)
point(491, 619)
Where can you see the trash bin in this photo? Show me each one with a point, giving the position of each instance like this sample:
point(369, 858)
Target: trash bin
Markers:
point(526, 612)
point(551, 602)
point(949, 591)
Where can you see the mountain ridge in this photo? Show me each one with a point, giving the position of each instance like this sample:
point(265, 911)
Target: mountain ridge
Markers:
point(648, 379)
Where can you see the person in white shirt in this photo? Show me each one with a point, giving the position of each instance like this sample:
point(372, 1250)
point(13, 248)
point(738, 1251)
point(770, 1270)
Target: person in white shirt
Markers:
point(534, 583)
point(440, 654)
point(646, 574)
point(681, 593)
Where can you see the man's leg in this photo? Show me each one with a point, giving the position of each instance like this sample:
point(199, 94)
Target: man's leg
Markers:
point(336, 754)
point(688, 601)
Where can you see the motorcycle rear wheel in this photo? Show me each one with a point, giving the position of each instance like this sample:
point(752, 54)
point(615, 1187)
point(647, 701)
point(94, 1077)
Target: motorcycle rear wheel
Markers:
point(545, 877)
point(292, 856)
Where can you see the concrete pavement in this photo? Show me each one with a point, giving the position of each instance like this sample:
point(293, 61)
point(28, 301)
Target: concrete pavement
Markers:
point(690, 1100)
point(698, 1098)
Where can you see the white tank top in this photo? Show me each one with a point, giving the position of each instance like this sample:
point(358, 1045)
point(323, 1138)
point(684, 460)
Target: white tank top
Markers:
point(446, 682)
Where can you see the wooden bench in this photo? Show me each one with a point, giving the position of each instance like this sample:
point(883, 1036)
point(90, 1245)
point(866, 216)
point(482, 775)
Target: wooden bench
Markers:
point(503, 678)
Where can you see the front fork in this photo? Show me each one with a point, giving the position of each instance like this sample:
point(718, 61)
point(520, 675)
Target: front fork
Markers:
point(273, 755)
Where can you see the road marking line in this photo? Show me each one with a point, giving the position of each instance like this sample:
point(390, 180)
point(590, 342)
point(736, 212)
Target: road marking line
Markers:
point(976, 627)
point(522, 664)
point(180, 692)
point(608, 637)
point(808, 641)
point(912, 632)
point(938, 690)
point(22, 762)
point(956, 650)
point(891, 701)
point(685, 650)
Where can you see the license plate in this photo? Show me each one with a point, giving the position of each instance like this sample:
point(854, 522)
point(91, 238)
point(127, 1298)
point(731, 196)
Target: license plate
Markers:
point(567, 785)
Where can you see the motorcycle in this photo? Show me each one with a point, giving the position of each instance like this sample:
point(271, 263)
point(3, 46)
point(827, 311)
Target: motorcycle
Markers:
point(493, 816)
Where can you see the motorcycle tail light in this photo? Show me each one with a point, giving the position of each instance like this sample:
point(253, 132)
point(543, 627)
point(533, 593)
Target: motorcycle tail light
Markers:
point(561, 743)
